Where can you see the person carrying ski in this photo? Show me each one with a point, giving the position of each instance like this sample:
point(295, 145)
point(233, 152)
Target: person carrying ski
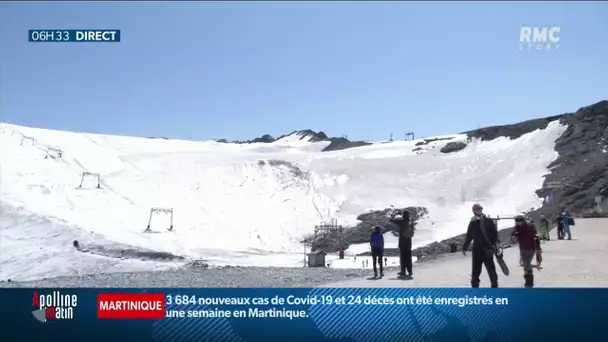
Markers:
point(406, 233)
point(376, 242)
point(567, 222)
point(544, 228)
point(484, 234)
point(525, 233)
point(560, 226)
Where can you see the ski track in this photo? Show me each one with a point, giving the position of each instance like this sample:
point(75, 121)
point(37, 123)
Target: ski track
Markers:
point(229, 209)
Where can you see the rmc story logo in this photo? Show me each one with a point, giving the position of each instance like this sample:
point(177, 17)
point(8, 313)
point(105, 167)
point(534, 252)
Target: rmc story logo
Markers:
point(539, 38)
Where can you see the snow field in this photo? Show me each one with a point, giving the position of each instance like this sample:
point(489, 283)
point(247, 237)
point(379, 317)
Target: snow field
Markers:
point(232, 209)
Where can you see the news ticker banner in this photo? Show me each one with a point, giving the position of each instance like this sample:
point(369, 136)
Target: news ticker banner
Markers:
point(379, 314)
point(74, 36)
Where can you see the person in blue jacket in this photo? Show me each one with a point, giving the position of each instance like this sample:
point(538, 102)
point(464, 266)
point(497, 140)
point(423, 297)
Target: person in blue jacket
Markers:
point(568, 221)
point(376, 242)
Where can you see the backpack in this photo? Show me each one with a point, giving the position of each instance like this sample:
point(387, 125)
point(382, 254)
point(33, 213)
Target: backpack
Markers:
point(408, 232)
point(571, 221)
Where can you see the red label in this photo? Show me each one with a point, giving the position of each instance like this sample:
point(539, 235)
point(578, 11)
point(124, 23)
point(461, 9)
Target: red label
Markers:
point(130, 306)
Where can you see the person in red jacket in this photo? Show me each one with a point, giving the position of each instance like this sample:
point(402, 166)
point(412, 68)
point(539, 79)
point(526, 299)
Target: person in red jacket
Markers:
point(525, 233)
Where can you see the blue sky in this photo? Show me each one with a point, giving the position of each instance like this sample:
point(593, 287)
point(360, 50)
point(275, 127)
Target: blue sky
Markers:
point(238, 70)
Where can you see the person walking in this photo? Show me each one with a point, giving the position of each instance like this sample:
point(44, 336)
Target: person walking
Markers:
point(376, 242)
point(544, 228)
point(526, 236)
point(406, 233)
point(483, 233)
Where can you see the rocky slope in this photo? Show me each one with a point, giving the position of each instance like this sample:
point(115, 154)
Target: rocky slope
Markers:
point(582, 165)
point(582, 169)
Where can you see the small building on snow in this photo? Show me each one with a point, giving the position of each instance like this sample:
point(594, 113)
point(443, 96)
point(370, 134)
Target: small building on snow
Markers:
point(316, 259)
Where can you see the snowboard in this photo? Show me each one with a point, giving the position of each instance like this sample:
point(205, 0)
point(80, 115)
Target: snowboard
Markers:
point(498, 252)
point(501, 261)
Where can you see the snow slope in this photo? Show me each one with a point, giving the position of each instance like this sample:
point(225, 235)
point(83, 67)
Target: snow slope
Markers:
point(234, 204)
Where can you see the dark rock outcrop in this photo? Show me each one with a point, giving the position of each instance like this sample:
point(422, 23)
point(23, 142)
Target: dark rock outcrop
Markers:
point(452, 147)
point(126, 252)
point(331, 241)
point(428, 141)
point(296, 171)
point(266, 138)
point(199, 263)
point(450, 245)
point(511, 131)
point(343, 144)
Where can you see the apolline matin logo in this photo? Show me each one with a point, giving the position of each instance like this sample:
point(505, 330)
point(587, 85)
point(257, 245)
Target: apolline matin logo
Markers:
point(53, 306)
point(539, 38)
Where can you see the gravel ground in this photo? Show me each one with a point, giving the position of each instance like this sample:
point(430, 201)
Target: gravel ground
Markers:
point(580, 262)
point(210, 277)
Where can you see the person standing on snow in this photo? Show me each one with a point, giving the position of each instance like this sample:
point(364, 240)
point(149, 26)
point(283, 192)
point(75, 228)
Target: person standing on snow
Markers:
point(376, 242)
point(544, 229)
point(484, 234)
point(405, 240)
point(526, 235)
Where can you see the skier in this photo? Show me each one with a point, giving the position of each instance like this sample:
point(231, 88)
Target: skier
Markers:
point(544, 228)
point(525, 233)
point(482, 231)
point(560, 226)
point(376, 242)
point(567, 222)
point(405, 240)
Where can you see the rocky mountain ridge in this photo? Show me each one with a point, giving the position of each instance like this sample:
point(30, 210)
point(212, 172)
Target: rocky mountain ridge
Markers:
point(340, 143)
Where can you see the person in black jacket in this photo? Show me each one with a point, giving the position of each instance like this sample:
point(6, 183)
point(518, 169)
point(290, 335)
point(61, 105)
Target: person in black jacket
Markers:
point(559, 220)
point(482, 231)
point(402, 220)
